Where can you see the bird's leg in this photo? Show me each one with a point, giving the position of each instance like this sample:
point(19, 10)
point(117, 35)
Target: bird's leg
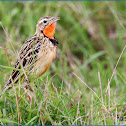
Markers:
point(28, 90)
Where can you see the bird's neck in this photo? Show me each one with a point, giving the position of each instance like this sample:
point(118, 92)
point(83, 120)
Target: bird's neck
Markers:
point(39, 33)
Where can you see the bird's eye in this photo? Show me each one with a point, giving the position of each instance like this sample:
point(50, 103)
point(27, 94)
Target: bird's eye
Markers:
point(44, 21)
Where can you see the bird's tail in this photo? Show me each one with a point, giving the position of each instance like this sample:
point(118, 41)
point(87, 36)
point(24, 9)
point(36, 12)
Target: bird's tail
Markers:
point(7, 85)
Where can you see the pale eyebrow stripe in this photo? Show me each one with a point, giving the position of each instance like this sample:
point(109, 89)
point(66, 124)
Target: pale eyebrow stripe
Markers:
point(40, 21)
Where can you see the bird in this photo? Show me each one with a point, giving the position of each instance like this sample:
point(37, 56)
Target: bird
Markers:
point(37, 52)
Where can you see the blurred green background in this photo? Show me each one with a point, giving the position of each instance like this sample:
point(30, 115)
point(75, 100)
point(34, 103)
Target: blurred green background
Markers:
point(91, 36)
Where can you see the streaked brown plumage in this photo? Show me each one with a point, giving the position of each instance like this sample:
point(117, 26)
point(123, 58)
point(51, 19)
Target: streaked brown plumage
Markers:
point(38, 52)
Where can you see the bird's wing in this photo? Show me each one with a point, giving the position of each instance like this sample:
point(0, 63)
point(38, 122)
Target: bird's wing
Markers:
point(26, 59)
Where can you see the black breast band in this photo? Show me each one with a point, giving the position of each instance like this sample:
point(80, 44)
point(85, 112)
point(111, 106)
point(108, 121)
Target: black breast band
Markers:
point(54, 41)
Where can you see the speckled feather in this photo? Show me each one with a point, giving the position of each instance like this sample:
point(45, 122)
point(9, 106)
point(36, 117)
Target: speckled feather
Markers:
point(36, 55)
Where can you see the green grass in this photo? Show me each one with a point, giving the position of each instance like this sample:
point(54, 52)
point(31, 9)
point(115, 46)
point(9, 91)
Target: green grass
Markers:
point(91, 38)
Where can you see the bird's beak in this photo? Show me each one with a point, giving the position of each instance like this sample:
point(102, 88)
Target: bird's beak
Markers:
point(54, 19)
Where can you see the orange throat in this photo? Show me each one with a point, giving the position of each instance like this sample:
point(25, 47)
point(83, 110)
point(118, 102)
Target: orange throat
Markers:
point(49, 30)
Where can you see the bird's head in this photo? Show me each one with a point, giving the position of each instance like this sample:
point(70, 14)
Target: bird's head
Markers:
point(46, 25)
